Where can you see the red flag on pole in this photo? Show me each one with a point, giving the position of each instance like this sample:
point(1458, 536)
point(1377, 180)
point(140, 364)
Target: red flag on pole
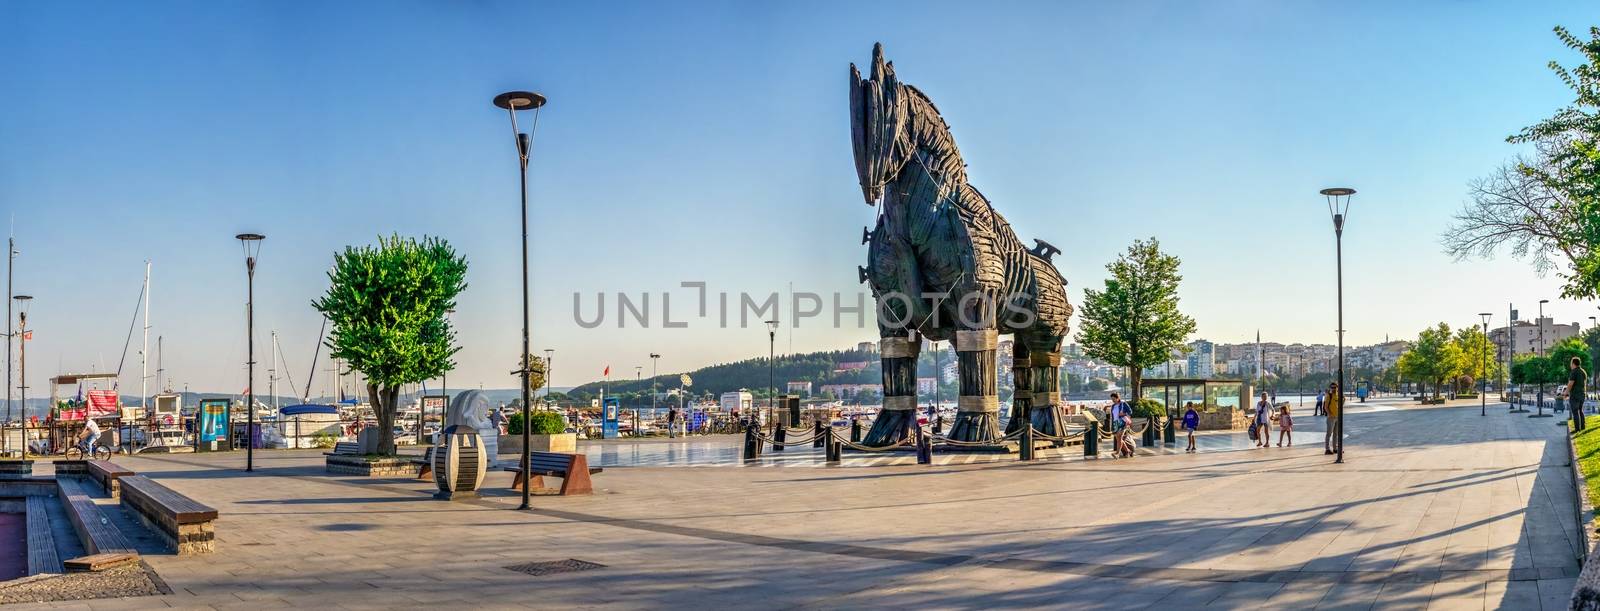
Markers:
point(27, 336)
point(608, 371)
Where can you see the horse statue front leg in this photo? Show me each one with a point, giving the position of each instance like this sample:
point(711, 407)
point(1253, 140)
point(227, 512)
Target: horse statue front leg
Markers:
point(899, 414)
point(978, 407)
point(1047, 416)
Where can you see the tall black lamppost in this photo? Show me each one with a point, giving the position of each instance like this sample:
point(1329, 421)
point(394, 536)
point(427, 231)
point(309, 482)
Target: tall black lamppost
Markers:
point(1483, 369)
point(252, 247)
point(772, 361)
point(511, 102)
point(1338, 199)
point(1540, 321)
point(22, 372)
point(653, 358)
point(549, 371)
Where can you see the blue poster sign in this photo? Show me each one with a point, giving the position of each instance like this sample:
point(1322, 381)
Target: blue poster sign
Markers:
point(608, 426)
point(212, 424)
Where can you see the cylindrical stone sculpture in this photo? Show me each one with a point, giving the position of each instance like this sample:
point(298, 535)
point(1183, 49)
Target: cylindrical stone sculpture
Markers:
point(459, 463)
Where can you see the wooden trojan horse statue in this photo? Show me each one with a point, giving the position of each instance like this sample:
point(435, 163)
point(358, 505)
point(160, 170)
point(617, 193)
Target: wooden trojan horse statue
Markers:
point(944, 265)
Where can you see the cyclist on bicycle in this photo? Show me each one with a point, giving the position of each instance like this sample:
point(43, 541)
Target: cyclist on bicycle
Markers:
point(91, 433)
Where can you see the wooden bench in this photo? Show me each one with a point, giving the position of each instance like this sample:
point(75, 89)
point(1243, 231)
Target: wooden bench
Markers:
point(573, 469)
point(183, 523)
point(42, 557)
point(344, 448)
point(96, 533)
point(107, 473)
point(426, 462)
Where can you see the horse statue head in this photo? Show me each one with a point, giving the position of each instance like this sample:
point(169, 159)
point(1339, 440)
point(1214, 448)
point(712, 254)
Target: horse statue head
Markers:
point(893, 124)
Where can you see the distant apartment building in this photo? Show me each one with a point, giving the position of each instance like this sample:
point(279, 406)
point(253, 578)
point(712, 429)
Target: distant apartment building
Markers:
point(1202, 359)
point(851, 366)
point(1527, 335)
point(800, 388)
point(867, 346)
point(926, 386)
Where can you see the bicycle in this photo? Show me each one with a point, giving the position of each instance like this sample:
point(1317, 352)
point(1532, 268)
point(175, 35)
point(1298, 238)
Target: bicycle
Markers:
point(78, 450)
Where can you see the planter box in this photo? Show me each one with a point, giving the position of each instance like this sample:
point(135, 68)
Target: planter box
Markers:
point(377, 466)
point(559, 442)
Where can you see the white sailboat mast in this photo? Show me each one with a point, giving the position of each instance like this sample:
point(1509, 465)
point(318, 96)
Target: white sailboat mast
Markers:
point(144, 352)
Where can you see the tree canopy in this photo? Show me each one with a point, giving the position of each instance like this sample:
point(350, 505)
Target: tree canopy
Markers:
point(1135, 322)
point(1435, 357)
point(1546, 207)
point(387, 305)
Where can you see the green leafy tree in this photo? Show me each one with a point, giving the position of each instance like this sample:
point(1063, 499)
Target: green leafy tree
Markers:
point(1561, 356)
point(387, 304)
point(1478, 358)
point(1546, 207)
point(1434, 357)
point(536, 370)
point(1135, 322)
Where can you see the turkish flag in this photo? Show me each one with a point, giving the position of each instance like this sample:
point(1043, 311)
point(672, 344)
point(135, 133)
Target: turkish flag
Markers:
point(608, 371)
point(27, 336)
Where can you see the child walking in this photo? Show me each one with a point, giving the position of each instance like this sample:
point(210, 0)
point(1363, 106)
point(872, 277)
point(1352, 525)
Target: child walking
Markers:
point(1191, 421)
point(1285, 425)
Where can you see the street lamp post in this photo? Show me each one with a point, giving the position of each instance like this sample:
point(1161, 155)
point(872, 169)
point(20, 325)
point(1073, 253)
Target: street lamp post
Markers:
point(252, 247)
point(511, 102)
point(772, 355)
point(549, 371)
point(653, 358)
point(1483, 369)
point(22, 373)
point(1540, 322)
point(11, 262)
point(1338, 199)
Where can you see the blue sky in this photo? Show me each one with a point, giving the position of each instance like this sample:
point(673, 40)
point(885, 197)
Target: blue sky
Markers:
point(709, 142)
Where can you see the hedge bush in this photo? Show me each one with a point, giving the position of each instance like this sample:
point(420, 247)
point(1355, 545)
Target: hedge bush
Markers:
point(544, 423)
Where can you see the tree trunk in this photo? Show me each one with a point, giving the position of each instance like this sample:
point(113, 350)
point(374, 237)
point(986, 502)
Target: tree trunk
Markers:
point(1136, 379)
point(383, 408)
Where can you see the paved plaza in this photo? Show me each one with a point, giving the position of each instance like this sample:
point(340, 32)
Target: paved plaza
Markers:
point(1434, 508)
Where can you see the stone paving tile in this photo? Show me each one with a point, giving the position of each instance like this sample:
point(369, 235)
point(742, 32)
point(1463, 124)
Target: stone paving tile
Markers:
point(1431, 493)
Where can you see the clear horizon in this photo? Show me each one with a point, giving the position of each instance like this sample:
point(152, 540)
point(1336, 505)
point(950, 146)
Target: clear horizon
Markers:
point(710, 145)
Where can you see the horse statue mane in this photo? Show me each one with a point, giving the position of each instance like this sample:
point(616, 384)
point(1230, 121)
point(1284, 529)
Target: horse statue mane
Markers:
point(936, 234)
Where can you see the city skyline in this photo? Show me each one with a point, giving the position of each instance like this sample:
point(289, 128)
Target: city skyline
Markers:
point(737, 172)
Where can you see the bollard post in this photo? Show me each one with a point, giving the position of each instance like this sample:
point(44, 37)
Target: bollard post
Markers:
point(831, 449)
point(752, 446)
point(1169, 436)
point(779, 433)
point(855, 430)
point(816, 428)
point(924, 448)
point(1149, 433)
point(1091, 440)
point(938, 424)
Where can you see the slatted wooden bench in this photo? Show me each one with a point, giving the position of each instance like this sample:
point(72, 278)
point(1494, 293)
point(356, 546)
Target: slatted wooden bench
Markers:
point(186, 525)
point(96, 533)
point(426, 462)
point(573, 469)
point(42, 557)
point(344, 448)
point(107, 473)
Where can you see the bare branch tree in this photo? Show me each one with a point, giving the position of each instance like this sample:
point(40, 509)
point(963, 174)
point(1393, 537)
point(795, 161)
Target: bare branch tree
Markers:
point(1514, 209)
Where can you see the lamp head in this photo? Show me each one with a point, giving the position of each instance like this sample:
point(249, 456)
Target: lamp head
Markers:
point(519, 100)
point(772, 326)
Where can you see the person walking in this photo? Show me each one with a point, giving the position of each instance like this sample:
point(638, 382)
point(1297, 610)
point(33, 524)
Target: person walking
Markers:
point(1120, 415)
point(1321, 396)
point(1191, 421)
point(1333, 438)
point(1576, 377)
point(1263, 411)
point(672, 422)
point(1285, 425)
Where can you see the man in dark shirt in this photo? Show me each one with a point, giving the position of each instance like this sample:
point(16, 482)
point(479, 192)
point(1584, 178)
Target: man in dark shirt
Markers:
point(1575, 391)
